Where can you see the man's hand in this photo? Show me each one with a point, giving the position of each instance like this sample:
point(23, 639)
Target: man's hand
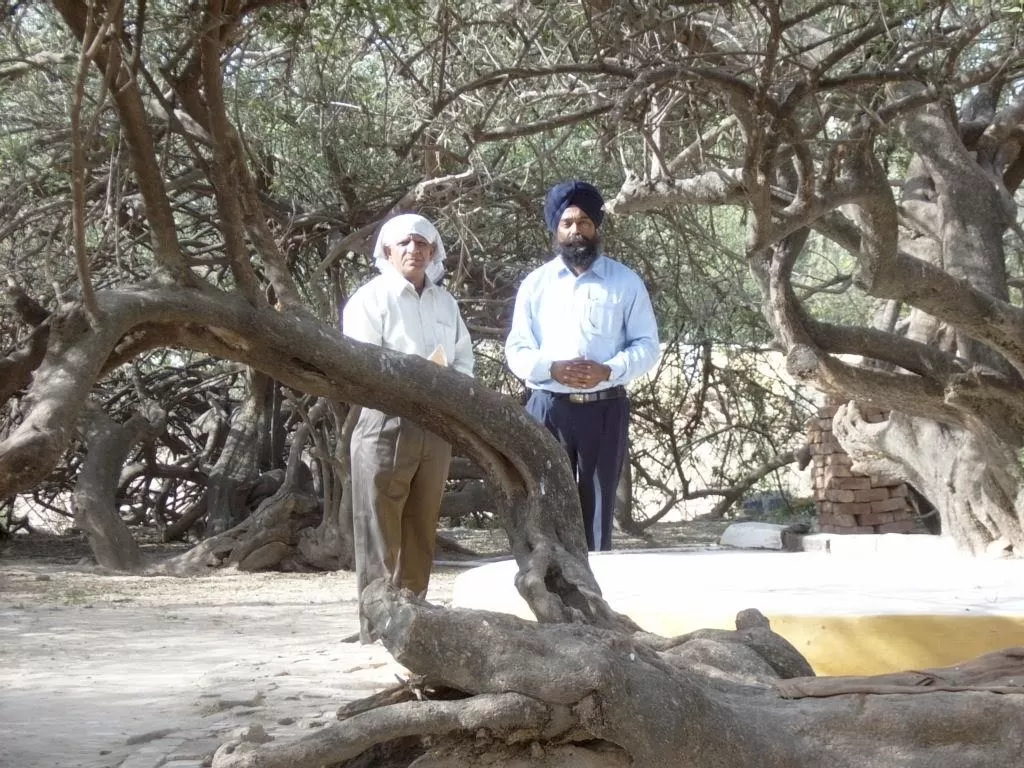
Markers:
point(580, 373)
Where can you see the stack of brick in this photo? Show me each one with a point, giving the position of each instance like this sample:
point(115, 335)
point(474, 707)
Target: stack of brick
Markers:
point(847, 502)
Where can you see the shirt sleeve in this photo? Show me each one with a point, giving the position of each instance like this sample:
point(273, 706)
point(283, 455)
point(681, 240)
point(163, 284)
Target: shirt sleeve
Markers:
point(463, 362)
point(641, 330)
point(362, 320)
point(522, 348)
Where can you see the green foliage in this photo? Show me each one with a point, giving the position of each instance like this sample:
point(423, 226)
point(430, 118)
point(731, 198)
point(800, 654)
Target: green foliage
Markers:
point(345, 106)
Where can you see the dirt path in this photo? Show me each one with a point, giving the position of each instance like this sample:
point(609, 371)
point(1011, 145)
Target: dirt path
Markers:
point(108, 671)
point(100, 671)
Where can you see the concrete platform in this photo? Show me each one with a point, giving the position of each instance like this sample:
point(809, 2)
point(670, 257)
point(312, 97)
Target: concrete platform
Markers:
point(857, 605)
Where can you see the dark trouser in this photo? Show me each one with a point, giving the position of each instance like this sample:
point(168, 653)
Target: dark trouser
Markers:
point(595, 436)
point(398, 475)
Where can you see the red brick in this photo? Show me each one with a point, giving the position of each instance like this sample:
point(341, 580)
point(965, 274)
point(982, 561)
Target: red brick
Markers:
point(852, 508)
point(884, 482)
point(835, 494)
point(854, 483)
point(873, 494)
point(895, 504)
point(881, 519)
point(900, 526)
point(843, 521)
point(864, 496)
point(836, 471)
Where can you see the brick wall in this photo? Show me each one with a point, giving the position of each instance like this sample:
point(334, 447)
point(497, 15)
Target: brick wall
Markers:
point(848, 502)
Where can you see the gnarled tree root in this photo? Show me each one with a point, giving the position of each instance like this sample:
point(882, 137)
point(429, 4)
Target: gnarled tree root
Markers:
point(512, 714)
point(264, 541)
point(706, 700)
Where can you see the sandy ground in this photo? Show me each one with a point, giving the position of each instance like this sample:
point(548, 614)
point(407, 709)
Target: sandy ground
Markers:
point(102, 671)
point(106, 671)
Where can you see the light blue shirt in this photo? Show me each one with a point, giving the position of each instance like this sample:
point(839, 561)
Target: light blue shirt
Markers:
point(604, 315)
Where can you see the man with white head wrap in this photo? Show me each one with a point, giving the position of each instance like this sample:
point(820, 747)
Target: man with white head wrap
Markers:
point(399, 468)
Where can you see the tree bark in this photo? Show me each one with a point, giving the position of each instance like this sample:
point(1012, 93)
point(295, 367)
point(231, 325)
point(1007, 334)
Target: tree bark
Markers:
point(584, 672)
point(94, 502)
point(711, 699)
point(975, 487)
point(472, 498)
point(267, 540)
point(177, 530)
point(330, 545)
point(538, 501)
point(237, 464)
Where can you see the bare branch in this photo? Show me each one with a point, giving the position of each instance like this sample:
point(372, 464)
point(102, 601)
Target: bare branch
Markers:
point(126, 96)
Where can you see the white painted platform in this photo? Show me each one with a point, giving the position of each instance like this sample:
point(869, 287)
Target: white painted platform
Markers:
point(866, 605)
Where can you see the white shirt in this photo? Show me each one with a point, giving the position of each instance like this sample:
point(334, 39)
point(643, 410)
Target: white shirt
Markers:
point(388, 312)
point(604, 315)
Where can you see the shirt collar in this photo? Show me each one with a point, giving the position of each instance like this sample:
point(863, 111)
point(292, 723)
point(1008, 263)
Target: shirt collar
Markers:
point(599, 267)
point(397, 283)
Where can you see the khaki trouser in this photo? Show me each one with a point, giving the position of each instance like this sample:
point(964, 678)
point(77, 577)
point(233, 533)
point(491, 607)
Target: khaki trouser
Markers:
point(398, 475)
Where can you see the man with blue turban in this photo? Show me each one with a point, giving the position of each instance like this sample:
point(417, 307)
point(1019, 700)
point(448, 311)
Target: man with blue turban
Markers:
point(582, 329)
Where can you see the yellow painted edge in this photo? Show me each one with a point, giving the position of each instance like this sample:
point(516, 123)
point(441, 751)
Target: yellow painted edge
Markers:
point(870, 645)
point(854, 645)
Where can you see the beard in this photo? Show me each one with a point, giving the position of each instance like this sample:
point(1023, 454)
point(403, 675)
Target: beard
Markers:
point(578, 252)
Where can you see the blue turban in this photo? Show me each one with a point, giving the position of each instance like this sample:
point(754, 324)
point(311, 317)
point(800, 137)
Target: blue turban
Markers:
point(579, 193)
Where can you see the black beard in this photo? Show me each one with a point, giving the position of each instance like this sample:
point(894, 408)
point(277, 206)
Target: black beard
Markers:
point(578, 254)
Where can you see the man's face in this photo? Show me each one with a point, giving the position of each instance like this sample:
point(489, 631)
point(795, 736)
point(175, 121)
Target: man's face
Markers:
point(410, 256)
point(577, 239)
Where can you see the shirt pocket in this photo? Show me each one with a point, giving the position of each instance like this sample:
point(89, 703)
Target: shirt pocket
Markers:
point(444, 334)
point(603, 316)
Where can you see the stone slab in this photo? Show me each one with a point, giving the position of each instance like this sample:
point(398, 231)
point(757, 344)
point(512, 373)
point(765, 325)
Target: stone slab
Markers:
point(753, 536)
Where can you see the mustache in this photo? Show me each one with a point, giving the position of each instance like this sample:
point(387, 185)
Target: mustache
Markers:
point(578, 254)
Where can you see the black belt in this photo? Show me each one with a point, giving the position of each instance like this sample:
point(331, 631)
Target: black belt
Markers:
point(612, 393)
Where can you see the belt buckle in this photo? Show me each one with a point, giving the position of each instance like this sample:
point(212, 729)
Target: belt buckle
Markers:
point(578, 397)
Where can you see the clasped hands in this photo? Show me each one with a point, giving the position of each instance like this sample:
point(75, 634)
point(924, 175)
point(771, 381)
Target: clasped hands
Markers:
point(580, 373)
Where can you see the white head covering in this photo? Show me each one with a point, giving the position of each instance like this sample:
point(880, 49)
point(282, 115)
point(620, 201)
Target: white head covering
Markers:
point(402, 226)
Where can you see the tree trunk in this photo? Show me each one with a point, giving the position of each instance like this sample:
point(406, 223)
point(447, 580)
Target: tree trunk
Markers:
point(468, 494)
point(474, 497)
point(94, 500)
point(236, 466)
point(796, 89)
point(624, 501)
point(177, 530)
point(329, 546)
point(582, 671)
point(975, 486)
point(266, 540)
point(711, 699)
